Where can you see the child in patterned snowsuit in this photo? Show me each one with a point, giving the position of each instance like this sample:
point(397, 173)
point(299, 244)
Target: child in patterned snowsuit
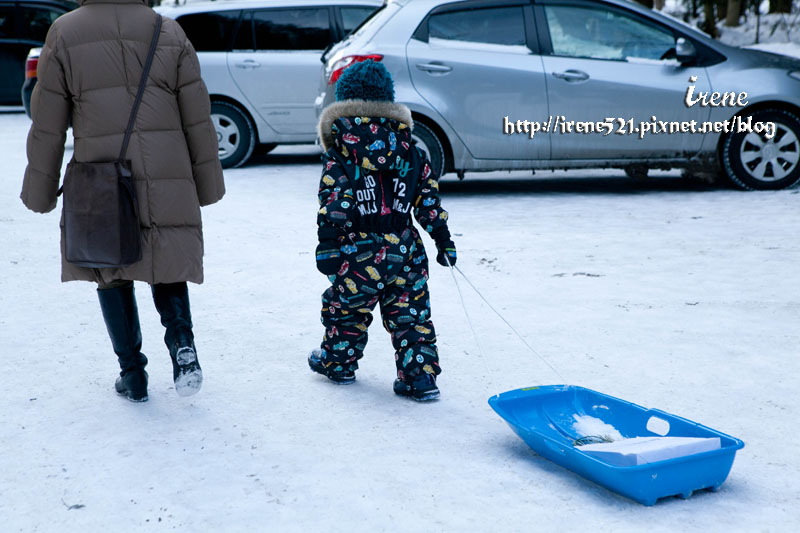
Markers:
point(374, 180)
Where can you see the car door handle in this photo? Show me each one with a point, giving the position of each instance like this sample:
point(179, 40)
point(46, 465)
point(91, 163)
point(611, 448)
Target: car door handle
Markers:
point(248, 63)
point(571, 75)
point(434, 67)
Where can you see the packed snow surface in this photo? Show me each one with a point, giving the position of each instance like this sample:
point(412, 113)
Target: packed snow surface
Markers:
point(641, 450)
point(590, 426)
point(664, 293)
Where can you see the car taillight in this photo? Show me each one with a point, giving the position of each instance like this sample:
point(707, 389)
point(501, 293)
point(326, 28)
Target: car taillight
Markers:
point(30, 67)
point(348, 61)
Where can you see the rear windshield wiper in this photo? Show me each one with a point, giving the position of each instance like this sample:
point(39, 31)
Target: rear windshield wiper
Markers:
point(325, 52)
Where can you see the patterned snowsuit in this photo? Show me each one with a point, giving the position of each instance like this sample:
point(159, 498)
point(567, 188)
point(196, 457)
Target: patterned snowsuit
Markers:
point(374, 179)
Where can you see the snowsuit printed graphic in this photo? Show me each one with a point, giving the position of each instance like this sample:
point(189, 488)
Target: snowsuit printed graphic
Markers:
point(374, 179)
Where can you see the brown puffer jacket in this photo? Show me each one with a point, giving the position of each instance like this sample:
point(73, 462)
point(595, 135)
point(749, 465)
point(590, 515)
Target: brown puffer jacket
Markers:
point(89, 71)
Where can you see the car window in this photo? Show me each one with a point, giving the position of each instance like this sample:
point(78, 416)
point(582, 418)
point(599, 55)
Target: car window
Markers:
point(499, 26)
point(353, 16)
point(376, 20)
point(292, 29)
point(602, 34)
point(7, 22)
point(210, 32)
point(243, 40)
point(35, 21)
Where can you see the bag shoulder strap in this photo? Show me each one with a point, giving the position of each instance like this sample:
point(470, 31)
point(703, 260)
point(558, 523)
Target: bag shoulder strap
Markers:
point(142, 83)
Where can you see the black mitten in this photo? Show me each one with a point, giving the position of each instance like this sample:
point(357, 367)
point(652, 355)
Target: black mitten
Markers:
point(444, 246)
point(446, 249)
point(329, 257)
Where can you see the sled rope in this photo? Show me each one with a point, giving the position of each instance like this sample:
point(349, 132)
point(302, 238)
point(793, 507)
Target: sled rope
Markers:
point(537, 354)
point(471, 327)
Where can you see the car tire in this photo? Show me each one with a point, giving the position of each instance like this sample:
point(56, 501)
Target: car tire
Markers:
point(638, 172)
point(753, 162)
point(426, 139)
point(264, 149)
point(235, 134)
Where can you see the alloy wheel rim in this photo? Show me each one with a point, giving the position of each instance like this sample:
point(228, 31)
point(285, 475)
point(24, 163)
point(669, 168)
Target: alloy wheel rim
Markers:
point(228, 135)
point(770, 160)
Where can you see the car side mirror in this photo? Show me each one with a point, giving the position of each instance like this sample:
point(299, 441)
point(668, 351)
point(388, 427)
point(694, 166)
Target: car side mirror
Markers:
point(685, 52)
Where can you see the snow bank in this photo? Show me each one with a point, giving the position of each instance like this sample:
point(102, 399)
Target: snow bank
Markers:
point(787, 49)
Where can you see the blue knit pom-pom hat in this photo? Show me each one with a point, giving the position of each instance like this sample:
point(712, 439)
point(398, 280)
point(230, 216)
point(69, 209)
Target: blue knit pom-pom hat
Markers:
point(366, 80)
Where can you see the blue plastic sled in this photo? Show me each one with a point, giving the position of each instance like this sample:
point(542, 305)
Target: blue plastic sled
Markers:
point(543, 418)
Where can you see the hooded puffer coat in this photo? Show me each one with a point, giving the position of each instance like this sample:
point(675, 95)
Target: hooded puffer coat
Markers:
point(375, 138)
point(89, 72)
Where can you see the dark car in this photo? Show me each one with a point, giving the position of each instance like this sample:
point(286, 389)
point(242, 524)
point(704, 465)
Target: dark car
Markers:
point(23, 25)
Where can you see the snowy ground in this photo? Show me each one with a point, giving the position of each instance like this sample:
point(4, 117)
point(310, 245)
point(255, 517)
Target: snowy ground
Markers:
point(663, 293)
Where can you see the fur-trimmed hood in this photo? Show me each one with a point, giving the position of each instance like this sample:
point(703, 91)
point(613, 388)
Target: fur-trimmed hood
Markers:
point(359, 108)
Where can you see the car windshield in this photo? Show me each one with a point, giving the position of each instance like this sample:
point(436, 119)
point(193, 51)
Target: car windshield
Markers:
point(377, 19)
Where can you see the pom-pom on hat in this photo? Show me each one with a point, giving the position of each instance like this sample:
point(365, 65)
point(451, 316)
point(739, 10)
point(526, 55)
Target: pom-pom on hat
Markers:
point(366, 80)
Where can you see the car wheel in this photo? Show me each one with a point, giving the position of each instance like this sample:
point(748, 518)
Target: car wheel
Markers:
point(235, 134)
point(752, 161)
point(638, 172)
point(428, 141)
point(264, 149)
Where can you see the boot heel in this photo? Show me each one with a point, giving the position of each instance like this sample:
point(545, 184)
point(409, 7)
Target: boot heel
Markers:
point(133, 385)
point(189, 378)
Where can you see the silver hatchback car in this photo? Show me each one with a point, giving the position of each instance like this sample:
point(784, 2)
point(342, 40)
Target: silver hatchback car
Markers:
point(557, 84)
point(260, 61)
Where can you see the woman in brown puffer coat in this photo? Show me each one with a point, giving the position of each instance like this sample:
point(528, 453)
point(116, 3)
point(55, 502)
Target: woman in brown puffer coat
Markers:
point(89, 72)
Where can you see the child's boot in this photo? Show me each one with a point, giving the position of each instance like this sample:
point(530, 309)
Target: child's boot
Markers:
point(335, 373)
point(422, 388)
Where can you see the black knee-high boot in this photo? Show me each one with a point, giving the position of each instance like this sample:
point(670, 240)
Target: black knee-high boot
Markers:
point(122, 321)
point(172, 302)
